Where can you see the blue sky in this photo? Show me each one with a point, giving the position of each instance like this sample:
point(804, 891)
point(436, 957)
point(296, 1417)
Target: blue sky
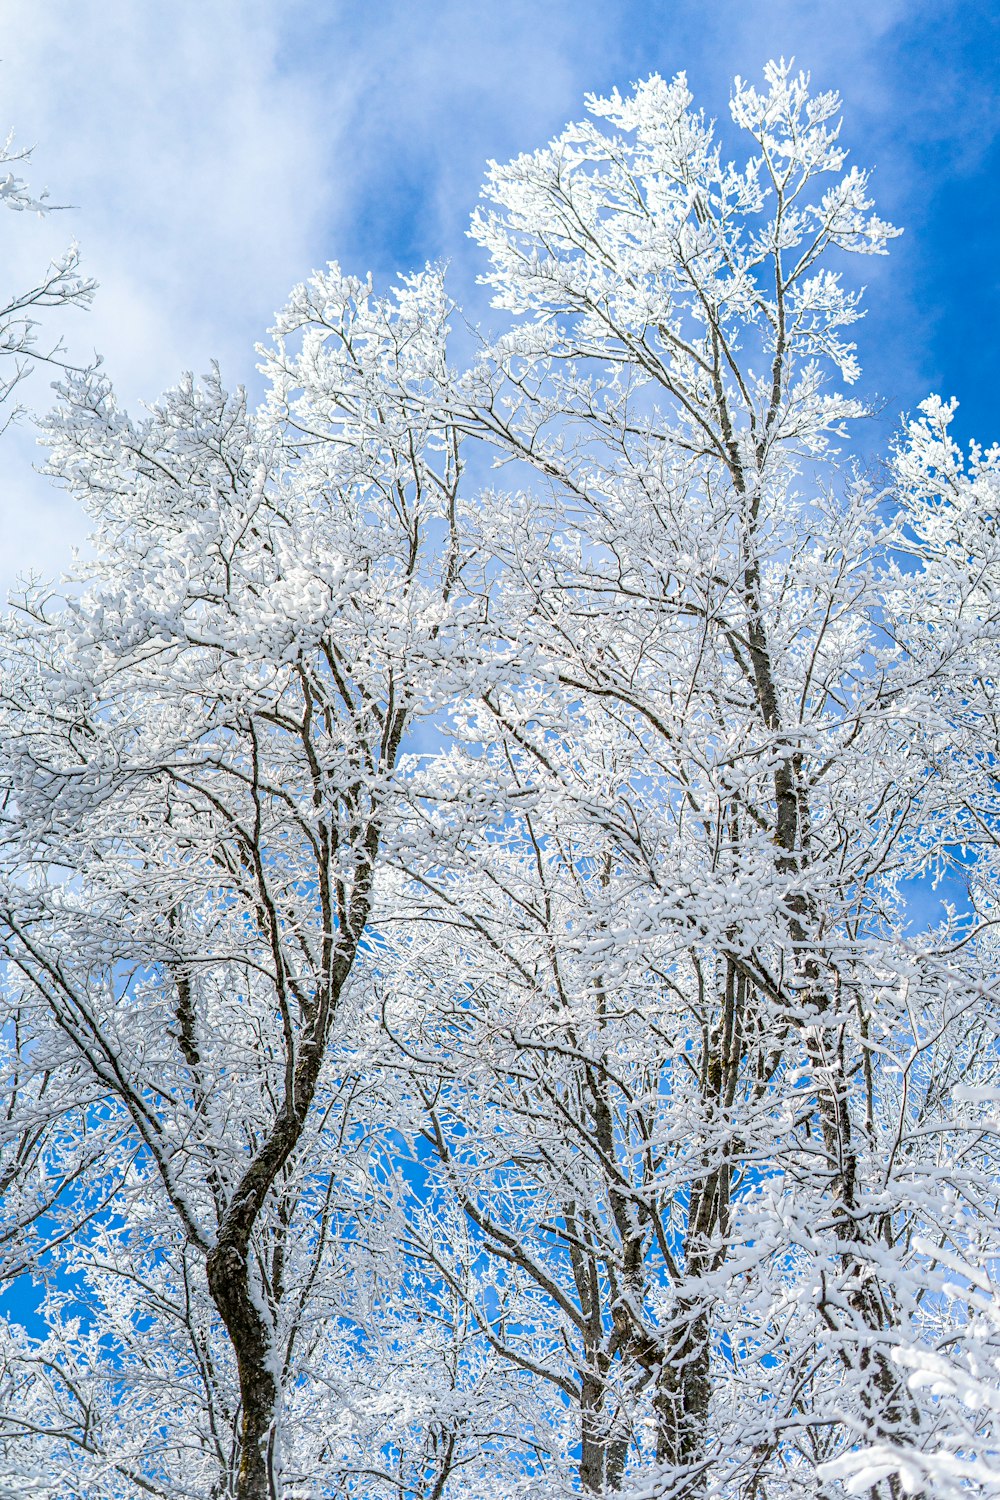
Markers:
point(216, 150)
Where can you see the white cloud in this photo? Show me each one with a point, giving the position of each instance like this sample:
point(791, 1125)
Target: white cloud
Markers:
point(195, 160)
point(196, 164)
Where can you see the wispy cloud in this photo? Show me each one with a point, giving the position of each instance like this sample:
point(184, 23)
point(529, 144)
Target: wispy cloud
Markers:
point(197, 165)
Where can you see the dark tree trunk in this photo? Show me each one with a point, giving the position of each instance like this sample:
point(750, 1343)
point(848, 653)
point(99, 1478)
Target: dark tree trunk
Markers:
point(684, 1393)
point(229, 1284)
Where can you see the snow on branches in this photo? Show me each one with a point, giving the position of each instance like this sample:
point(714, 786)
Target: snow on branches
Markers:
point(463, 1001)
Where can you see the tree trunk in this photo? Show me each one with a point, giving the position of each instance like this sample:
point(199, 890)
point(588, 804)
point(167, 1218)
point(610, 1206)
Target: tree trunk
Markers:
point(593, 1439)
point(229, 1284)
point(684, 1393)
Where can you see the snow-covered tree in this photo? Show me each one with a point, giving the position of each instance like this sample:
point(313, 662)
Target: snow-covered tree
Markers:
point(717, 1106)
point(47, 1134)
point(204, 743)
point(474, 924)
point(60, 285)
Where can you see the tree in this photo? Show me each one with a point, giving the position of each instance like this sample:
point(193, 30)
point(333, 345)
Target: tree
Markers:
point(47, 1140)
point(208, 739)
point(61, 285)
point(703, 751)
point(946, 522)
point(480, 919)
